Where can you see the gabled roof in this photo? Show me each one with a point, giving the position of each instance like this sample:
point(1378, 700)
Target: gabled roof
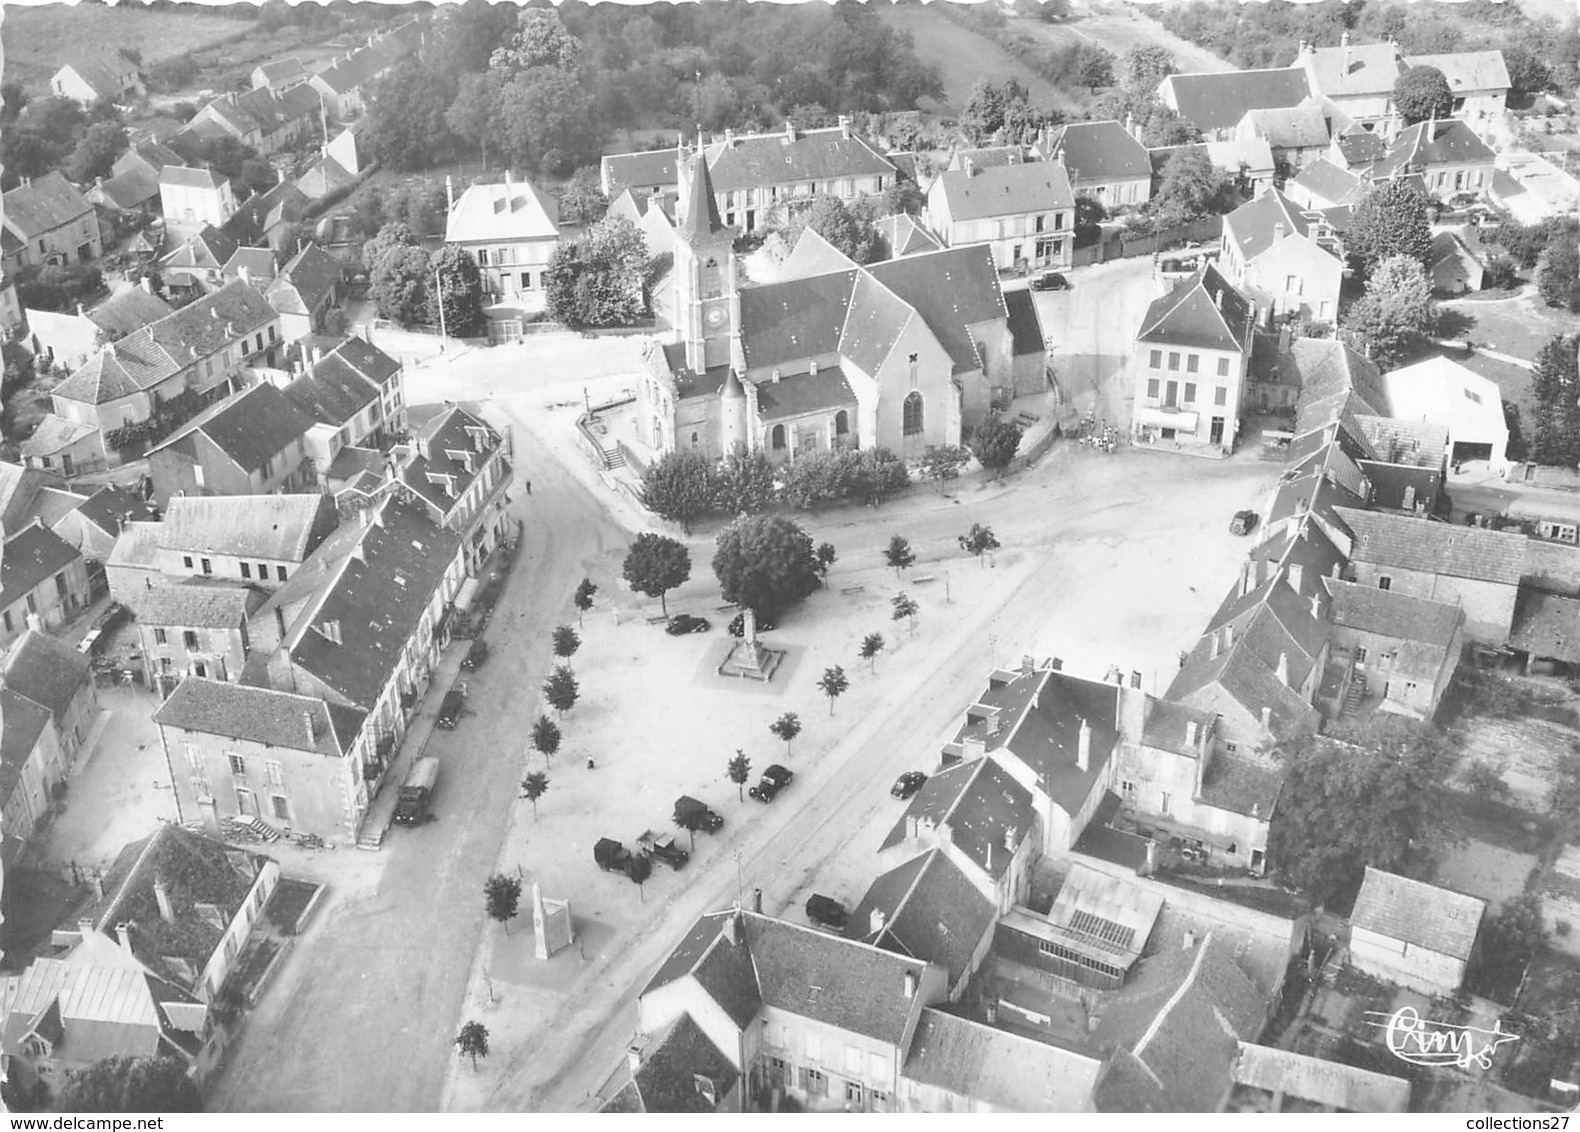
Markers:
point(802, 393)
point(1329, 182)
point(348, 74)
point(55, 434)
point(750, 161)
point(43, 204)
point(209, 249)
point(668, 1078)
point(448, 455)
point(128, 311)
point(1010, 1072)
point(799, 318)
point(658, 167)
point(1254, 226)
point(333, 393)
point(250, 428)
point(19, 488)
point(1217, 100)
point(109, 508)
point(1290, 127)
point(1368, 609)
point(323, 177)
point(1445, 141)
point(258, 262)
point(180, 176)
point(199, 603)
point(927, 909)
point(1415, 544)
point(130, 189)
point(953, 290)
point(21, 727)
point(279, 527)
point(1331, 1085)
point(1467, 71)
point(101, 379)
point(306, 282)
point(1104, 916)
point(32, 556)
point(1098, 151)
point(1545, 625)
point(1242, 785)
point(1203, 311)
point(813, 255)
point(105, 76)
point(151, 156)
point(1337, 385)
point(982, 805)
point(277, 69)
point(902, 235)
point(513, 210)
point(47, 671)
point(1420, 914)
point(1362, 148)
point(1006, 190)
point(261, 715)
point(1047, 737)
point(1354, 69)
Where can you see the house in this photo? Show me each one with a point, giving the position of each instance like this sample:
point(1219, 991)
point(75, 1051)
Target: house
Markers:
point(185, 904)
point(60, 1016)
point(343, 84)
point(957, 1064)
point(244, 539)
point(1446, 154)
point(457, 470)
point(69, 447)
point(652, 174)
point(1357, 78)
point(49, 707)
point(257, 266)
point(744, 978)
point(511, 229)
point(1402, 649)
point(1458, 263)
point(1414, 934)
point(279, 75)
point(1193, 351)
point(198, 264)
point(647, 213)
point(43, 581)
point(95, 520)
point(1025, 212)
point(1444, 393)
point(249, 752)
point(1268, 1079)
point(904, 353)
point(678, 1070)
point(147, 158)
point(1094, 934)
point(899, 234)
point(269, 219)
point(131, 197)
point(249, 444)
point(1215, 102)
point(51, 223)
point(267, 120)
point(1321, 184)
point(305, 292)
point(1472, 567)
point(326, 176)
point(195, 628)
point(356, 394)
point(1479, 81)
point(194, 199)
point(1296, 134)
point(86, 81)
point(68, 340)
point(1287, 256)
point(1103, 160)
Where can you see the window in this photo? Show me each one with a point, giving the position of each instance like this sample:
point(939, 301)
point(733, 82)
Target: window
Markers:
point(187, 559)
point(279, 572)
point(852, 1059)
point(1190, 393)
point(1191, 362)
point(776, 438)
point(1152, 387)
point(7, 618)
point(194, 760)
point(878, 1067)
point(1220, 395)
point(282, 808)
point(911, 414)
point(268, 467)
point(275, 772)
point(813, 1081)
point(774, 1034)
point(238, 764)
point(1174, 360)
point(32, 604)
point(526, 280)
point(1385, 582)
point(852, 1093)
point(842, 423)
point(482, 257)
point(263, 572)
point(1223, 367)
point(189, 638)
point(246, 570)
point(198, 669)
point(202, 790)
point(813, 1047)
point(1038, 223)
point(208, 567)
point(160, 637)
point(1155, 359)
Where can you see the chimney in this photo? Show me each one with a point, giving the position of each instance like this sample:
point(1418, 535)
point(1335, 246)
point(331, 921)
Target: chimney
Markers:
point(307, 722)
point(1135, 678)
point(80, 312)
point(167, 913)
point(775, 375)
point(1228, 636)
point(967, 164)
point(507, 177)
point(1215, 646)
point(449, 193)
point(729, 138)
point(244, 273)
point(98, 885)
point(732, 927)
point(146, 283)
point(85, 926)
point(811, 368)
point(974, 747)
point(1028, 664)
point(1130, 124)
point(1245, 578)
point(1296, 575)
point(789, 132)
point(1190, 733)
point(1316, 605)
point(636, 1052)
point(876, 922)
point(844, 126)
point(1083, 747)
point(1283, 668)
point(123, 932)
point(318, 354)
point(1151, 864)
point(1009, 838)
point(1188, 941)
point(757, 900)
point(910, 984)
point(1278, 231)
point(1344, 42)
point(1267, 719)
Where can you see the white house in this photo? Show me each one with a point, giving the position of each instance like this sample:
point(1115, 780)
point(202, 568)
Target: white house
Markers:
point(511, 229)
point(1024, 211)
point(1414, 934)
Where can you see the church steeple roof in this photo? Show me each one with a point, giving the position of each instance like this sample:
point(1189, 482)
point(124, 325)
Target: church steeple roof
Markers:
point(699, 219)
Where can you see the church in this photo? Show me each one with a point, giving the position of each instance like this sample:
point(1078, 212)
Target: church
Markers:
point(903, 354)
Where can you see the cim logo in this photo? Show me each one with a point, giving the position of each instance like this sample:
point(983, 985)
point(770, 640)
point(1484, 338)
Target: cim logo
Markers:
point(1421, 1041)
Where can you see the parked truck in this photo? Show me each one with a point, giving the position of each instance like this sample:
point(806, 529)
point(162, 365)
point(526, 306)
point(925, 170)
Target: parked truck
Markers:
point(692, 814)
point(611, 855)
point(416, 792)
point(662, 846)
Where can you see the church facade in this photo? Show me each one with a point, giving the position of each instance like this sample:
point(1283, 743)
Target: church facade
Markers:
point(903, 354)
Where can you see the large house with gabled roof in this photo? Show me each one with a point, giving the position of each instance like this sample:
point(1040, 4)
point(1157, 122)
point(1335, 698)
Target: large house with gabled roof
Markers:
point(1104, 161)
point(456, 468)
point(43, 580)
point(511, 229)
point(1445, 153)
point(305, 292)
point(252, 443)
point(110, 76)
point(1024, 211)
point(1216, 101)
point(47, 221)
point(48, 705)
point(1414, 934)
point(197, 627)
point(1285, 258)
point(194, 199)
point(357, 395)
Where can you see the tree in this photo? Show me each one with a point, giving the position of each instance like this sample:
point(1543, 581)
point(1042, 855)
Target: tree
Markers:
point(825, 555)
point(1509, 941)
point(899, 554)
point(745, 482)
point(942, 462)
point(566, 642)
point(681, 486)
point(1558, 275)
point(871, 646)
point(993, 442)
point(405, 124)
point(540, 40)
point(786, 727)
point(904, 608)
point(533, 787)
point(834, 684)
point(979, 540)
point(472, 1042)
point(1529, 73)
point(599, 280)
point(561, 689)
point(986, 107)
point(830, 218)
point(582, 200)
point(132, 1084)
point(474, 115)
point(1089, 216)
point(459, 291)
point(656, 564)
point(1390, 220)
point(395, 235)
point(502, 896)
point(1094, 66)
point(1422, 93)
point(1395, 315)
point(1144, 66)
point(640, 868)
point(1191, 187)
point(546, 737)
point(765, 563)
point(1484, 780)
point(1362, 795)
point(546, 122)
point(1555, 436)
point(97, 149)
point(584, 598)
point(740, 772)
point(399, 284)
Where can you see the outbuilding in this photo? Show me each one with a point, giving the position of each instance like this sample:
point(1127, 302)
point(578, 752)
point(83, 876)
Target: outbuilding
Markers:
point(1443, 392)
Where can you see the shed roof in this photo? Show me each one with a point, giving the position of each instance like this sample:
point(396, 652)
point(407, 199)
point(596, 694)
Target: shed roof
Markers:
point(1420, 914)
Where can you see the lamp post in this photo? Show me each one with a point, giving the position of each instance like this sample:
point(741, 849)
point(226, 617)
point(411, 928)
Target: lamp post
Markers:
point(444, 337)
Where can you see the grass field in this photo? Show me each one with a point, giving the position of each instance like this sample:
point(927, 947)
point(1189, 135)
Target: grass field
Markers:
point(964, 58)
point(38, 39)
point(1119, 32)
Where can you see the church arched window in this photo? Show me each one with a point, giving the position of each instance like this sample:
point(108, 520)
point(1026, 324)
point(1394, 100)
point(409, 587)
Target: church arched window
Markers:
point(912, 414)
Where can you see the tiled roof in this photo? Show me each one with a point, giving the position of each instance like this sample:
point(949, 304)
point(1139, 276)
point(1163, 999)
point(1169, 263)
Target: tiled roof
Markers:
point(55, 434)
point(128, 311)
point(128, 190)
point(657, 167)
point(45, 670)
point(902, 235)
point(259, 263)
point(182, 177)
point(1328, 182)
point(1098, 151)
point(210, 248)
point(1354, 69)
point(250, 428)
point(198, 603)
point(953, 290)
point(666, 1081)
point(323, 177)
point(454, 431)
point(801, 318)
point(931, 911)
point(1254, 225)
point(1546, 625)
point(279, 69)
point(1436, 548)
point(32, 556)
point(22, 723)
point(1420, 444)
point(306, 282)
point(1331, 1085)
point(1290, 127)
point(333, 393)
point(1467, 71)
point(101, 379)
point(44, 204)
point(1242, 785)
point(348, 74)
point(502, 211)
point(280, 527)
point(109, 507)
point(1417, 913)
point(367, 359)
point(802, 393)
point(1047, 738)
point(1166, 725)
point(1324, 367)
point(1006, 190)
point(1441, 142)
point(1368, 609)
point(261, 715)
point(1362, 148)
point(981, 803)
point(103, 76)
point(756, 160)
point(203, 327)
point(988, 156)
point(1217, 100)
point(986, 1064)
point(1203, 311)
point(150, 156)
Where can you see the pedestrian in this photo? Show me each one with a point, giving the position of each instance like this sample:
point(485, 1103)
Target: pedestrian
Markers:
point(529, 487)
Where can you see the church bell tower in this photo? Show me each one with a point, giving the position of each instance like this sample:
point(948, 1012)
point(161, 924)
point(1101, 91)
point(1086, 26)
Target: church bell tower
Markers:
point(707, 303)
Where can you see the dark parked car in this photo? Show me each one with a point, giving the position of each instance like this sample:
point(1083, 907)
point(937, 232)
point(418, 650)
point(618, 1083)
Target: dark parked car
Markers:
point(1050, 281)
point(1243, 523)
point(690, 813)
point(774, 779)
point(683, 623)
point(475, 656)
point(826, 912)
point(450, 708)
point(908, 783)
point(662, 846)
point(738, 625)
point(611, 855)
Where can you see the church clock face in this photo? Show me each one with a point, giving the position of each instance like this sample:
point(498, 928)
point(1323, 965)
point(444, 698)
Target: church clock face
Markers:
point(714, 318)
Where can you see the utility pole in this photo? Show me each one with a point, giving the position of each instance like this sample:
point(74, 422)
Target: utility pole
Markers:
point(444, 337)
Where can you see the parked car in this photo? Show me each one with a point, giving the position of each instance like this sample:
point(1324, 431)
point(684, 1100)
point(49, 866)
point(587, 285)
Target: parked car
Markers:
point(476, 655)
point(1050, 281)
point(611, 855)
point(691, 813)
point(774, 779)
point(683, 623)
point(1243, 523)
point(450, 708)
point(662, 846)
point(907, 784)
point(738, 625)
point(826, 912)
point(411, 806)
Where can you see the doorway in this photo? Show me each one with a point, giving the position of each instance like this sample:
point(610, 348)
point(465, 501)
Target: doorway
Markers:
point(246, 804)
point(1216, 434)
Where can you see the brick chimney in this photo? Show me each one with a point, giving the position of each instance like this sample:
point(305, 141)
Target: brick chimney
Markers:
point(876, 921)
point(1083, 747)
point(167, 911)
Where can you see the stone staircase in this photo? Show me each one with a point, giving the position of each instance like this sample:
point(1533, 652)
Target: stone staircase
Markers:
point(613, 458)
point(1353, 696)
point(371, 837)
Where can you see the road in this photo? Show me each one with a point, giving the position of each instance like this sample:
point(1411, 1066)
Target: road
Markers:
point(1093, 328)
point(364, 1016)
